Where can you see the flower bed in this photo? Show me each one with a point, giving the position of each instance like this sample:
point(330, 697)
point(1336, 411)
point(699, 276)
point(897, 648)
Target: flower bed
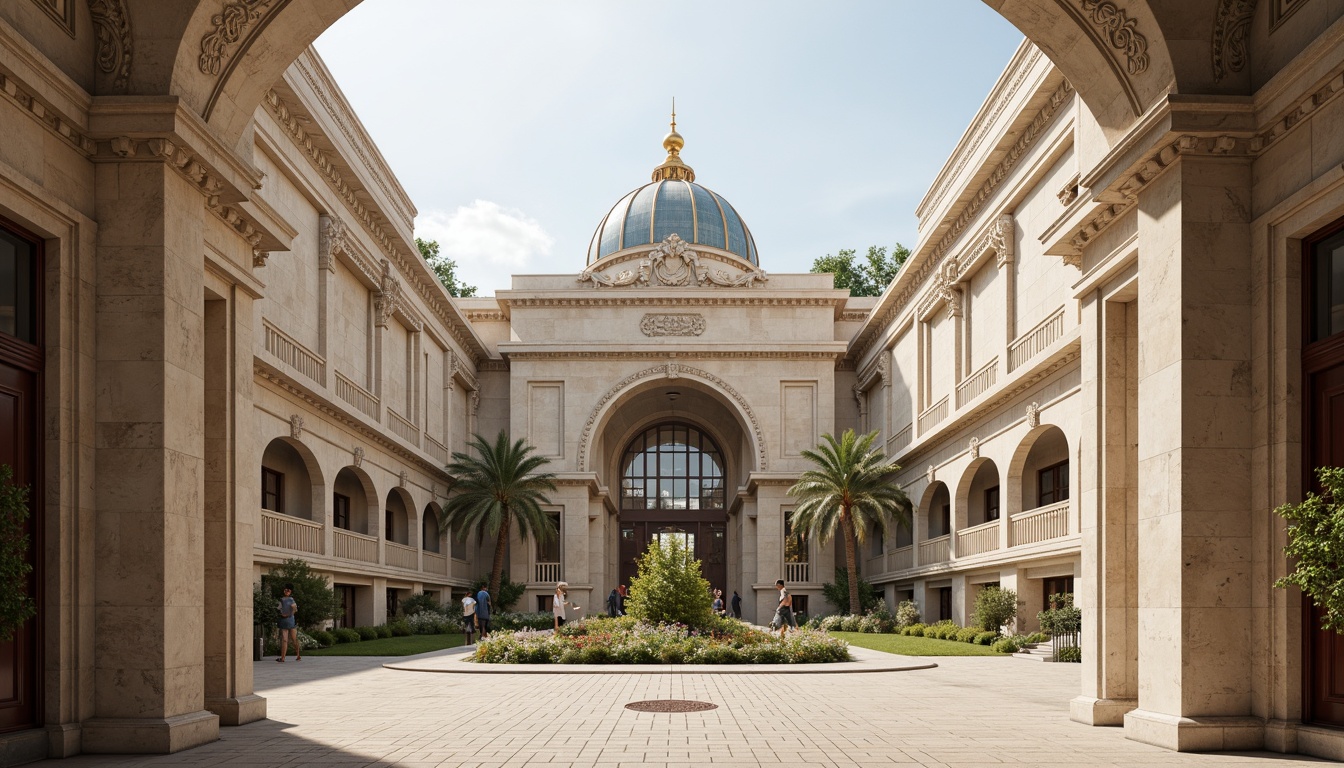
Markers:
point(627, 641)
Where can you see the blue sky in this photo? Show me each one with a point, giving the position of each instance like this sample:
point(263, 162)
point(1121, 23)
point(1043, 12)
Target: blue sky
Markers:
point(516, 124)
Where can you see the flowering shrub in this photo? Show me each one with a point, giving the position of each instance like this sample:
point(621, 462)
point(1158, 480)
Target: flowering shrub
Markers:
point(628, 641)
point(523, 620)
point(432, 623)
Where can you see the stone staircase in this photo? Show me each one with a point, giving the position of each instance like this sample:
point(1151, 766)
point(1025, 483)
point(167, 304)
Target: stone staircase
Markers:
point(1036, 652)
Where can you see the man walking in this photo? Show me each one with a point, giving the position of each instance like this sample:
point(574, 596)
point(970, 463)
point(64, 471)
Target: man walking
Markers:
point(483, 612)
point(469, 616)
point(784, 613)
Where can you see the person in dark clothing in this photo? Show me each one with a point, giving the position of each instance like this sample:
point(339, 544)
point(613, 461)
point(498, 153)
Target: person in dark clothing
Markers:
point(614, 603)
point(737, 605)
point(620, 608)
point(483, 612)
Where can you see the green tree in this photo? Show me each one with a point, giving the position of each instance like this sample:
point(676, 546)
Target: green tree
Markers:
point(506, 597)
point(499, 486)
point(16, 604)
point(994, 607)
point(867, 277)
point(1316, 546)
point(669, 586)
point(316, 599)
point(837, 592)
point(444, 268)
point(848, 489)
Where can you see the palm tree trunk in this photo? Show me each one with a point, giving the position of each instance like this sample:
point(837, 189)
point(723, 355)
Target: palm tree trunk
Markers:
point(497, 572)
point(851, 560)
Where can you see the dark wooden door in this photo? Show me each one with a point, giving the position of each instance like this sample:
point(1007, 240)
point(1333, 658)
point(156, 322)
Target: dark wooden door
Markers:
point(1324, 650)
point(708, 541)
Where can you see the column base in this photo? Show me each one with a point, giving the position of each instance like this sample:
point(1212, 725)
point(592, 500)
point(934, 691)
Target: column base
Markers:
point(63, 740)
point(1108, 712)
point(240, 710)
point(159, 736)
point(1300, 738)
point(23, 747)
point(1195, 734)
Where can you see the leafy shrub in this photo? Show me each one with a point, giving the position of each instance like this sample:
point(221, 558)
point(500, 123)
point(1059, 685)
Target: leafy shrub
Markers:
point(1006, 645)
point(529, 620)
point(510, 592)
point(1316, 546)
point(669, 587)
point(850, 623)
point(346, 635)
point(967, 635)
point(16, 604)
point(985, 638)
point(837, 593)
point(994, 608)
point(383, 630)
point(943, 630)
point(420, 602)
point(907, 614)
point(323, 637)
point(832, 623)
point(1070, 653)
point(316, 599)
point(307, 642)
point(399, 628)
point(914, 630)
point(1062, 618)
point(1035, 637)
point(367, 633)
point(432, 623)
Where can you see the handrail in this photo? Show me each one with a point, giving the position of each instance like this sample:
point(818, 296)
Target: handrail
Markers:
point(293, 353)
point(352, 393)
point(1031, 343)
point(902, 558)
point(354, 546)
point(978, 540)
point(935, 550)
point(289, 532)
point(403, 428)
point(978, 383)
point(436, 563)
point(796, 573)
point(932, 416)
point(547, 572)
point(402, 556)
point(436, 449)
point(900, 440)
point(1040, 524)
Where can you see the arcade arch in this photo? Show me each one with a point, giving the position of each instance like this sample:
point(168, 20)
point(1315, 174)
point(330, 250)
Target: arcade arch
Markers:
point(291, 480)
point(354, 500)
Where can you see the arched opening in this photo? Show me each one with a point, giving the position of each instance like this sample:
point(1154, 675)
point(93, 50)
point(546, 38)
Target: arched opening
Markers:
point(396, 518)
point(290, 480)
point(936, 511)
point(982, 496)
point(351, 498)
point(431, 537)
point(1044, 473)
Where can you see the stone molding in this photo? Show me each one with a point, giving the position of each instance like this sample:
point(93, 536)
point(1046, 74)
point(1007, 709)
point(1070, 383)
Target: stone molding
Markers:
point(485, 315)
point(699, 354)
point(673, 263)
point(707, 299)
point(493, 365)
point(1229, 51)
point(44, 114)
point(115, 45)
point(672, 369)
point(853, 316)
point(672, 325)
point(1120, 31)
point(61, 11)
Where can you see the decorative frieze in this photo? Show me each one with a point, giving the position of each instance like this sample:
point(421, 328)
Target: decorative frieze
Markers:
point(112, 29)
point(39, 110)
point(673, 263)
point(672, 325)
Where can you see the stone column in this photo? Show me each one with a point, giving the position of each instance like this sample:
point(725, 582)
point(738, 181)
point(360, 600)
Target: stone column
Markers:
point(1194, 451)
point(149, 462)
point(962, 602)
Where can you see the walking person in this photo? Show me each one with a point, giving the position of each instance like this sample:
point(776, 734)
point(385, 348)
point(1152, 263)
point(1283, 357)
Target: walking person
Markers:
point(483, 612)
point(289, 612)
point(560, 602)
point(468, 616)
point(784, 612)
point(737, 605)
point(614, 603)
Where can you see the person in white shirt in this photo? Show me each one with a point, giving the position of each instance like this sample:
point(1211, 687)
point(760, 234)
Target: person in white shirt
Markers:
point(561, 601)
point(469, 616)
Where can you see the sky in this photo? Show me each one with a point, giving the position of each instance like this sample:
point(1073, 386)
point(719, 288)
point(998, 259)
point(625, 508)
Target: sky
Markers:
point(515, 125)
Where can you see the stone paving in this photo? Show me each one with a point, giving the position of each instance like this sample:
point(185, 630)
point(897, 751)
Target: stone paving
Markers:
point(969, 711)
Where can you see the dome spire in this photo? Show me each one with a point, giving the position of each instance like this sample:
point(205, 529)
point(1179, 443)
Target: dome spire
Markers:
point(673, 169)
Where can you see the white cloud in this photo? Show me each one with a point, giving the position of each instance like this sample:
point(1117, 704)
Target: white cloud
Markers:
point(488, 242)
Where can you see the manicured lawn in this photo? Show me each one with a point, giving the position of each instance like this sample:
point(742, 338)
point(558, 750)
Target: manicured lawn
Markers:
point(391, 646)
point(915, 646)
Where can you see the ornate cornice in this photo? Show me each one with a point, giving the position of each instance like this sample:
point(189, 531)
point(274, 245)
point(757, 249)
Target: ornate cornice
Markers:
point(496, 366)
point(672, 370)
point(43, 113)
point(675, 264)
point(112, 28)
point(706, 354)
point(854, 315)
point(683, 300)
point(485, 315)
point(1229, 36)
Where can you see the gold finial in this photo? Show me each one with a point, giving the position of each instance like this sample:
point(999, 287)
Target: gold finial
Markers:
point(673, 168)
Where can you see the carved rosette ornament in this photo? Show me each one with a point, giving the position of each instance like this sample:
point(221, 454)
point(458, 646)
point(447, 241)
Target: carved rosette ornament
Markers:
point(1034, 415)
point(1229, 36)
point(672, 325)
point(296, 426)
point(112, 27)
point(674, 263)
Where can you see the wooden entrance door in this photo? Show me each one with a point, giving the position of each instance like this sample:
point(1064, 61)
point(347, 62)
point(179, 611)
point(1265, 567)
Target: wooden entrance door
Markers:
point(708, 542)
point(1323, 445)
point(20, 417)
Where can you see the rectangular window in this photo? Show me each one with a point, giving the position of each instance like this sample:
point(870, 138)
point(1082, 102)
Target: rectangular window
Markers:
point(18, 287)
point(795, 546)
point(1059, 585)
point(545, 603)
point(340, 511)
point(549, 552)
point(272, 490)
point(991, 504)
point(1327, 287)
point(799, 604)
point(1053, 484)
point(878, 543)
point(387, 523)
point(945, 520)
point(944, 603)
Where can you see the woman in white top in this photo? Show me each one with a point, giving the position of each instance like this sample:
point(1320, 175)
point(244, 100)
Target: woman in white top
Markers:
point(558, 604)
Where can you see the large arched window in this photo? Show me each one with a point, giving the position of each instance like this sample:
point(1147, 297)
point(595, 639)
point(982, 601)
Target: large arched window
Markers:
point(672, 467)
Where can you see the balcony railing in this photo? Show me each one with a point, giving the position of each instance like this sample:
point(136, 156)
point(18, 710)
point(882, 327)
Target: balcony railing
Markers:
point(978, 540)
point(403, 428)
point(435, 563)
point(356, 395)
point(978, 383)
point(436, 449)
point(934, 550)
point(402, 556)
point(900, 440)
point(547, 572)
point(288, 532)
point(354, 546)
point(294, 354)
point(902, 558)
point(933, 416)
point(1040, 524)
point(1031, 343)
point(797, 572)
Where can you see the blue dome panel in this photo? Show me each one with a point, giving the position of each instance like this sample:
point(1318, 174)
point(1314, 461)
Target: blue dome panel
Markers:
point(708, 219)
point(652, 213)
point(639, 219)
point(611, 227)
point(737, 234)
point(675, 212)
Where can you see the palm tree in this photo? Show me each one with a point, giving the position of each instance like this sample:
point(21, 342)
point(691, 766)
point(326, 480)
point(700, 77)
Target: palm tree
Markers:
point(848, 489)
point(495, 489)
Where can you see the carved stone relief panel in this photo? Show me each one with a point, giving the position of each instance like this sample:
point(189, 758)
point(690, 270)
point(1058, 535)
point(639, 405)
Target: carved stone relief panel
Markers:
point(672, 325)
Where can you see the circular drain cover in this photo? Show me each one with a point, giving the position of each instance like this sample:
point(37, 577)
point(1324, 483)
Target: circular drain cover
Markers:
point(670, 705)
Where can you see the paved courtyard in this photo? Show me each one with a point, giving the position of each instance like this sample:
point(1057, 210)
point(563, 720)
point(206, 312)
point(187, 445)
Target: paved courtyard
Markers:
point(967, 712)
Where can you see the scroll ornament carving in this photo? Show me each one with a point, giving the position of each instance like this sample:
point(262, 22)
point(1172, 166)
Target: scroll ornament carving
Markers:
point(943, 289)
point(359, 455)
point(674, 263)
point(1121, 30)
point(1034, 415)
point(673, 369)
point(884, 366)
point(475, 403)
point(229, 25)
point(974, 447)
point(386, 300)
point(403, 479)
point(861, 398)
point(112, 28)
point(1229, 36)
point(296, 426)
point(1000, 238)
point(931, 474)
point(331, 241)
point(672, 325)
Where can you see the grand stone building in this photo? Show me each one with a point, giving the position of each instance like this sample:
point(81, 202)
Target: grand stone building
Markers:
point(1114, 350)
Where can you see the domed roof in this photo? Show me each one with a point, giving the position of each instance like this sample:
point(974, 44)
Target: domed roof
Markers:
point(673, 204)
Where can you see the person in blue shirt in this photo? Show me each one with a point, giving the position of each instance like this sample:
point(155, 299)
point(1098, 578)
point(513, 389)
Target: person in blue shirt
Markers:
point(289, 611)
point(483, 612)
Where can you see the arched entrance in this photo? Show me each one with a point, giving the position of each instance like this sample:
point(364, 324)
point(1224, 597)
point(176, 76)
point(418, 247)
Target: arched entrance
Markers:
point(673, 485)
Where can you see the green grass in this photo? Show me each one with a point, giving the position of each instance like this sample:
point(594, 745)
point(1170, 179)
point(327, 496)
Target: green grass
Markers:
point(914, 646)
point(391, 646)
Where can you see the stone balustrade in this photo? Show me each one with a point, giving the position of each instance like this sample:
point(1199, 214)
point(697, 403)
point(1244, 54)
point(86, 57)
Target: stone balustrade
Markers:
point(978, 383)
point(935, 550)
point(1031, 343)
point(547, 572)
point(797, 573)
point(437, 450)
point(978, 540)
point(402, 556)
point(933, 416)
point(1040, 524)
point(403, 428)
point(288, 532)
point(435, 563)
point(902, 558)
point(294, 354)
point(354, 546)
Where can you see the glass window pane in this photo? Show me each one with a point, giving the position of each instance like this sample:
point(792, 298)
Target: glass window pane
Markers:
point(17, 287)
